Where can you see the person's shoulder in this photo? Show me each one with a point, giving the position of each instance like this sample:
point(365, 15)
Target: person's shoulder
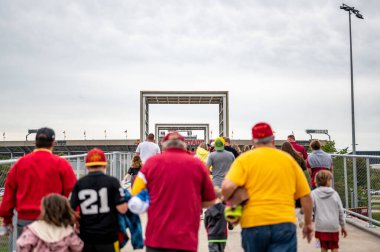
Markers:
point(229, 154)
point(105, 179)
point(153, 161)
point(23, 159)
point(270, 151)
point(81, 181)
point(110, 178)
point(155, 144)
point(155, 158)
point(336, 194)
point(61, 160)
point(212, 154)
point(220, 206)
point(33, 156)
point(150, 143)
point(298, 145)
point(326, 154)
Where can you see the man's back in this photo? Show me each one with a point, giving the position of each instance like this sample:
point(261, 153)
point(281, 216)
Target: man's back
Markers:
point(300, 149)
point(319, 159)
point(221, 162)
point(33, 177)
point(147, 149)
point(273, 181)
point(177, 183)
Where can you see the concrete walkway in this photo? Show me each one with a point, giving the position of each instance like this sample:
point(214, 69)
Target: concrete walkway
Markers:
point(356, 240)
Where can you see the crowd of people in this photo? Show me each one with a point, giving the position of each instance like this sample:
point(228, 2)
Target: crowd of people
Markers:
point(258, 187)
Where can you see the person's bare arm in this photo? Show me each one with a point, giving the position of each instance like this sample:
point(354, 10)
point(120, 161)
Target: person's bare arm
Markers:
point(122, 208)
point(206, 204)
point(228, 188)
point(307, 207)
point(309, 172)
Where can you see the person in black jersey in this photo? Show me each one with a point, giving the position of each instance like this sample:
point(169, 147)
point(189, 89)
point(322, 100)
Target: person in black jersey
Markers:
point(100, 198)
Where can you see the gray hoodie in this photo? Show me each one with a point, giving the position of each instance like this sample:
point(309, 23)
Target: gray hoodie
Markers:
point(328, 210)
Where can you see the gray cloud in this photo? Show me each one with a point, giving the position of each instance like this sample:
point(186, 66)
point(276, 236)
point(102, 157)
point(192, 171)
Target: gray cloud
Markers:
point(80, 65)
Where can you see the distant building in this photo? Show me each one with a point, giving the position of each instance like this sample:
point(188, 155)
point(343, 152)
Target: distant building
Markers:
point(13, 149)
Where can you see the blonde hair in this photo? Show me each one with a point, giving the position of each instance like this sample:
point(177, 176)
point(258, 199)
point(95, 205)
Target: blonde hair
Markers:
point(203, 145)
point(236, 147)
point(136, 162)
point(323, 177)
point(246, 148)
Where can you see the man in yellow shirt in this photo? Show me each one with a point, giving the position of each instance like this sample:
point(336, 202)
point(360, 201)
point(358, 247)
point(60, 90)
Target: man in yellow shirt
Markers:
point(273, 181)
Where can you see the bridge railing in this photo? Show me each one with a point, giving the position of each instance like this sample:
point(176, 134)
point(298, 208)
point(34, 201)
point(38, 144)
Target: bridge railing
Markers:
point(357, 180)
point(117, 166)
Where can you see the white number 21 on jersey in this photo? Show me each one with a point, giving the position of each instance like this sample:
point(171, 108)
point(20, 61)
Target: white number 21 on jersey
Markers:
point(91, 197)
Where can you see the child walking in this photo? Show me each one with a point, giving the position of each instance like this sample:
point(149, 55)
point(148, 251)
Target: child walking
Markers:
point(134, 169)
point(100, 199)
point(54, 231)
point(328, 212)
point(216, 224)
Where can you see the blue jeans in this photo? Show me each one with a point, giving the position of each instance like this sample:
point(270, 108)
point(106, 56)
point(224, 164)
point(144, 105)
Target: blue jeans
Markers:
point(272, 238)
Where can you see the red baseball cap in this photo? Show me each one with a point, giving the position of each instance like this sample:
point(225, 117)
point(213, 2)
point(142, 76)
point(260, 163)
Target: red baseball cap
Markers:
point(174, 135)
point(96, 157)
point(262, 132)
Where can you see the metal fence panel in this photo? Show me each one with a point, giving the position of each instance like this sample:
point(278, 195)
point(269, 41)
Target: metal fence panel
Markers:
point(118, 164)
point(357, 180)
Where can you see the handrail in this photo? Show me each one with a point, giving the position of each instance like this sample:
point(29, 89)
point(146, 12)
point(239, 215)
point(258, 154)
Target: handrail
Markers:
point(362, 216)
point(74, 156)
point(355, 156)
point(8, 161)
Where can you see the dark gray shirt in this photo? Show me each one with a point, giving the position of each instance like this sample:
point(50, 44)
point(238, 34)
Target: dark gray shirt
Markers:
point(221, 162)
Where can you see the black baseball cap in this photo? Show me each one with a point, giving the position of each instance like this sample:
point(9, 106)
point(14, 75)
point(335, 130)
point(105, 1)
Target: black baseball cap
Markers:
point(45, 134)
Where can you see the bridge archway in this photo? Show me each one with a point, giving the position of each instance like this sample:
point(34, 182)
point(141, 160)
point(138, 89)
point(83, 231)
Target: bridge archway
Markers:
point(184, 97)
point(183, 127)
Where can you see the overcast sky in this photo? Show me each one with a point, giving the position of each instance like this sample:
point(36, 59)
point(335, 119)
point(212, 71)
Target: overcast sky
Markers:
point(80, 65)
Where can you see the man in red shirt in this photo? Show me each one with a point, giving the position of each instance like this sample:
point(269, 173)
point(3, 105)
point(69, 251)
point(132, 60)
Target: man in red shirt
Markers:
point(31, 178)
point(300, 149)
point(179, 186)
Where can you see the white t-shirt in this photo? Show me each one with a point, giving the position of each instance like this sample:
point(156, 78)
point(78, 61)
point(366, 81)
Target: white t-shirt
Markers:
point(147, 149)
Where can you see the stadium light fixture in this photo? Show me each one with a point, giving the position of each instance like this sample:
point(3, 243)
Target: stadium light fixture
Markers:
point(360, 16)
point(30, 131)
point(351, 10)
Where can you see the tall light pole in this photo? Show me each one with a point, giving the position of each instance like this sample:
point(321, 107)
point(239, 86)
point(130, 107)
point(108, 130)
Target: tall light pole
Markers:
point(351, 10)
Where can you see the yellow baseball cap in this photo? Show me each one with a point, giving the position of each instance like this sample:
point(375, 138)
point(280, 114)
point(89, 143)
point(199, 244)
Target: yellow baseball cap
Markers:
point(219, 143)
